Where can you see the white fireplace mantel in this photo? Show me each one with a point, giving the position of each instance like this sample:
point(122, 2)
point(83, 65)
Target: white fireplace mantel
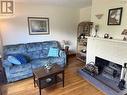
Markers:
point(109, 49)
point(112, 40)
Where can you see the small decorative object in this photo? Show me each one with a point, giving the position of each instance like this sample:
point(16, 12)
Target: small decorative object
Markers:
point(66, 43)
point(96, 30)
point(48, 66)
point(114, 16)
point(110, 37)
point(38, 25)
point(81, 37)
point(106, 35)
point(99, 16)
point(48, 80)
point(124, 33)
point(92, 69)
point(83, 51)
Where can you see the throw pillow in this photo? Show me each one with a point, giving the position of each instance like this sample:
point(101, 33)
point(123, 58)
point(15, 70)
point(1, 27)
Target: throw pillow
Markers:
point(17, 59)
point(53, 52)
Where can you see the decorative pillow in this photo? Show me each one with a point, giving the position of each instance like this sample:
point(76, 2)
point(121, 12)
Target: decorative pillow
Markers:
point(17, 59)
point(53, 52)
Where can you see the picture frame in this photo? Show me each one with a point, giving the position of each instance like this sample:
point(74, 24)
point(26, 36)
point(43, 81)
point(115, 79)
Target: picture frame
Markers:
point(115, 16)
point(38, 25)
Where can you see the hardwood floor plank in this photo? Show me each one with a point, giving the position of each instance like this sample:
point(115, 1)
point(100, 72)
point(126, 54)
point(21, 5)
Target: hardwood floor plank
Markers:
point(74, 84)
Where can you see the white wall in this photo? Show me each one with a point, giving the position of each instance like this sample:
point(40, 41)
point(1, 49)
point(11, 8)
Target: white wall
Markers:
point(85, 14)
point(102, 7)
point(63, 24)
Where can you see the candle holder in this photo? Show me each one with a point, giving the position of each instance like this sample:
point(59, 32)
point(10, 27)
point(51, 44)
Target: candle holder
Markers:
point(96, 30)
point(124, 32)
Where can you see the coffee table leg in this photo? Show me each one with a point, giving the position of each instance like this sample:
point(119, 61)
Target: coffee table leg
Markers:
point(39, 86)
point(34, 79)
point(63, 78)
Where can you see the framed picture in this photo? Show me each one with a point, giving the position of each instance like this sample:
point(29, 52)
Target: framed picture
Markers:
point(114, 16)
point(38, 25)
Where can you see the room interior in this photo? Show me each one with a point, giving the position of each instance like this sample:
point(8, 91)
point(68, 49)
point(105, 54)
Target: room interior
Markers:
point(85, 36)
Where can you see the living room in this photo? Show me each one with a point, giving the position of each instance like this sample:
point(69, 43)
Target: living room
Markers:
point(62, 19)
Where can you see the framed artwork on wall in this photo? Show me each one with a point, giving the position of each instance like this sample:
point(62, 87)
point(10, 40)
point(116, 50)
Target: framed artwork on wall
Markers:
point(114, 16)
point(38, 25)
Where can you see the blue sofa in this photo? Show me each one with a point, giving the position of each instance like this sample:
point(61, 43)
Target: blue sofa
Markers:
point(37, 53)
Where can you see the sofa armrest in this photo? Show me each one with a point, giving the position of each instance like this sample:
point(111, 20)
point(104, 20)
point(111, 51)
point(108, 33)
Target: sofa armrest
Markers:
point(6, 64)
point(63, 55)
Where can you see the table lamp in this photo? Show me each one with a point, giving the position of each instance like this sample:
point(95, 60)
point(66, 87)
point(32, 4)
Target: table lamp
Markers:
point(124, 32)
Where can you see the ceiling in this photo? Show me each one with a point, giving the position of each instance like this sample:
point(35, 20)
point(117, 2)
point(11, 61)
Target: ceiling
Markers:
point(67, 3)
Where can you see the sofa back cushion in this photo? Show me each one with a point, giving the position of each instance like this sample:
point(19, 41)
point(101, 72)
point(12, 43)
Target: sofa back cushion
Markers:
point(14, 49)
point(40, 49)
point(31, 50)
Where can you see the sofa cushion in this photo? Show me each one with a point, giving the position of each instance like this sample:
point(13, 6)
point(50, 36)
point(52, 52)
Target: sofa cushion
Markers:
point(34, 54)
point(48, 44)
point(36, 63)
point(19, 76)
point(14, 49)
point(33, 47)
point(58, 60)
point(40, 49)
point(20, 68)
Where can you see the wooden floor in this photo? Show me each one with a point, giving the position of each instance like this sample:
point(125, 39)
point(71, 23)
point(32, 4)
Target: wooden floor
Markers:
point(74, 84)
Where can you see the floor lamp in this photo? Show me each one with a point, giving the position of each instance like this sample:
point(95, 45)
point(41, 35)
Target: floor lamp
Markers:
point(1, 58)
point(1, 45)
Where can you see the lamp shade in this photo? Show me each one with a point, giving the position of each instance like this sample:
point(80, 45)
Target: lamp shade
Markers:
point(124, 32)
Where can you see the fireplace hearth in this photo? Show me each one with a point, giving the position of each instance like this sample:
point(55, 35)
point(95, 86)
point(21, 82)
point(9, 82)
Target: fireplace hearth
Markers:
point(109, 73)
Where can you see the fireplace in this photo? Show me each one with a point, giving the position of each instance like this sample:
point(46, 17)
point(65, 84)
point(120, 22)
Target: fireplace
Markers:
point(109, 73)
point(107, 51)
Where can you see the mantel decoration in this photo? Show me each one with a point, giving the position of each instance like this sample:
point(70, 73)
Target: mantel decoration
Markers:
point(96, 30)
point(114, 16)
point(124, 33)
point(38, 25)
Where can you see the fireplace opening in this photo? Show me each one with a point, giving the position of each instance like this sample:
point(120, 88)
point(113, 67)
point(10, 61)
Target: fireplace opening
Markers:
point(109, 73)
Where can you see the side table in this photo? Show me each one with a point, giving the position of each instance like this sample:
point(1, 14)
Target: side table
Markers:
point(66, 49)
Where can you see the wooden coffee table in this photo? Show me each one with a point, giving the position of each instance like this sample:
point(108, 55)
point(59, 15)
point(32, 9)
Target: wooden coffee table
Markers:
point(41, 75)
